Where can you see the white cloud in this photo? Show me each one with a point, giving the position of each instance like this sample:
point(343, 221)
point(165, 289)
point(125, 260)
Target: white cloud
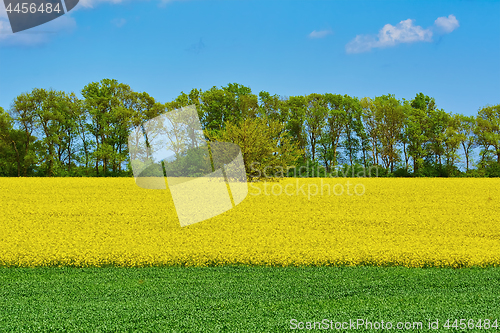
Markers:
point(403, 32)
point(3, 13)
point(4, 28)
point(119, 22)
point(320, 34)
point(362, 43)
point(447, 24)
point(21, 38)
point(37, 35)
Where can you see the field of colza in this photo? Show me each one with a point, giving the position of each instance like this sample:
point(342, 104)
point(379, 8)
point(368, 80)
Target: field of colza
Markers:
point(88, 222)
point(104, 255)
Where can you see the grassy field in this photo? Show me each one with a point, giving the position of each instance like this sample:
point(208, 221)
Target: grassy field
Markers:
point(242, 299)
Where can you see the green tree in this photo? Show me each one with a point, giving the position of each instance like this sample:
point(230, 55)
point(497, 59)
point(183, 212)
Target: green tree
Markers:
point(315, 115)
point(24, 112)
point(51, 120)
point(265, 151)
point(232, 103)
point(336, 123)
point(488, 129)
point(296, 107)
point(417, 129)
point(9, 154)
point(405, 138)
point(466, 136)
point(353, 128)
point(390, 115)
point(272, 107)
point(12, 142)
point(369, 119)
point(438, 121)
point(451, 141)
point(110, 106)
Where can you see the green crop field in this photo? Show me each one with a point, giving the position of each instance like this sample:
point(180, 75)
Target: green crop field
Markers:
point(242, 299)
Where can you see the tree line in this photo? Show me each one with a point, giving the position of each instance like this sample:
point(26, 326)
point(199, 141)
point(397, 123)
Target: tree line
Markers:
point(54, 133)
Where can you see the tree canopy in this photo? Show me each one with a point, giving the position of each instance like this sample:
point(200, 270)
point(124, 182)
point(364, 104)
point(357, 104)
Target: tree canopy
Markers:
point(55, 133)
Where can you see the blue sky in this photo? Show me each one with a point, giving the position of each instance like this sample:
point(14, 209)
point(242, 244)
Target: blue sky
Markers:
point(449, 50)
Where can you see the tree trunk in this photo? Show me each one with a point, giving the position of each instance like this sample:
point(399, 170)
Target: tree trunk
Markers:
point(18, 159)
point(466, 153)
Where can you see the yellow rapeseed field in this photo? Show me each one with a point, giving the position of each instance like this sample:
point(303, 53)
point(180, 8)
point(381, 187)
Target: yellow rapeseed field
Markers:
point(111, 221)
